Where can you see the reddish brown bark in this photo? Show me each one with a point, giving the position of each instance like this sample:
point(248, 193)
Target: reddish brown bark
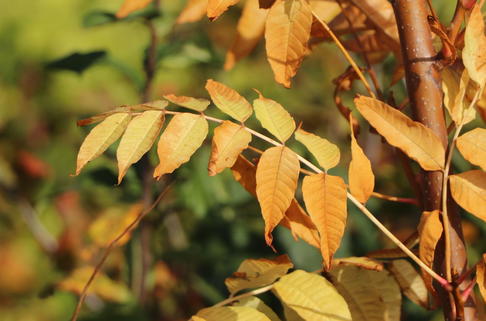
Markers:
point(425, 93)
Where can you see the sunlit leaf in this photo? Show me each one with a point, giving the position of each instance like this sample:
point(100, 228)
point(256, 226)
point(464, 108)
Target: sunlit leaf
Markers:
point(362, 262)
point(481, 276)
point(256, 303)
point(410, 281)
point(101, 137)
point(248, 32)
point(430, 231)
point(217, 7)
point(137, 140)
point(232, 313)
point(312, 297)
point(472, 146)
point(454, 88)
point(469, 191)
point(194, 11)
point(413, 138)
point(360, 174)
point(103, 286)
point(276, 181)
point(197, 104)
point(326, 153)
point(474, 52)
point(287, 32)
point(130, 6)
point(183, 136)
point(274, 118)
point(295, 219)
point(255, 273)
point(229, 101)
point(229, 141)
point(371, 295)
point(111, 223)
point(325, 199)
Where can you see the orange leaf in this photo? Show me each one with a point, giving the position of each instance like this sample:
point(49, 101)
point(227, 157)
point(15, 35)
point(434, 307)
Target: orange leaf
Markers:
point(469, 191)
point(455, 99)
point(361, 178)
point(182, 137)
point(325, 199)
point(296, 219)
point(193, 11)
point(472, 146)
point(430, 230)
point(229, 101)
point(138, 139)
point(197, 104)
point(130, 6)
point(217, 7)
point(276, 181)
point(229, 141)
point(248, 32)
point(413, 138)
point(287, 32)
point(474, 53)
point(481, 277)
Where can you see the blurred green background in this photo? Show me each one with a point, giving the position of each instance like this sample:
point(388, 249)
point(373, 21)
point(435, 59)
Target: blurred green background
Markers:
point(65, 60)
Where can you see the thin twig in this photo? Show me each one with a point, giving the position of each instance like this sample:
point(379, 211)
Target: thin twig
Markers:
point(391, 198)
point(108, 249)
point(244, 295)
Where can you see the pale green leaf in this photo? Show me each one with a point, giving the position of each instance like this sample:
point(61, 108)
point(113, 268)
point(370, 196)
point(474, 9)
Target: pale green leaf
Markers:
point(326, 153)
point(274, 118)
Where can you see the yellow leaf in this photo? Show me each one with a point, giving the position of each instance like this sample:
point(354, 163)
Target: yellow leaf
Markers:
point(362, 262)
point(182, 137)
point(326, 153)
point(111, 223)
point(274, 118)
point(276, 181)
point(217, 7)
point(287, 32)
point(410, 281)
point(101, 137)
point(360, 174)
point(130, 6)
point(232, 313)
point(193, 11)
point(228, 100)
point(472, 146)
point(325, 199)
point(455, 98)
point(326, 10)
point(469, 191)
point(103, 286)
point(312, 297)
point(255, 273)
point(371, 295)
point(197, 104)
point(229, 141)
point(430, 230)
point(248, 32)
point(137, 140)
point(413, 138)
point(256, 303)
point(474, 52)
point(481, 277)
point(295, 219)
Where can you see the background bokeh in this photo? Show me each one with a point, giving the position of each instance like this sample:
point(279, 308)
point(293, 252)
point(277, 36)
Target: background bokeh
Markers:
point(65, 60)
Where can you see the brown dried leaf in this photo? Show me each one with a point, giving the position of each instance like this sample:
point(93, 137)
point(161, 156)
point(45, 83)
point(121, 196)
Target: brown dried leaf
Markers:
point(229, 101)
point(360, 174)
point(469, 191)
point(229, 140)
point(325, 199)
point(130, 6)
point(430, 230)
point(287, 32)
point(254, 273)
point(472, 146)
point(194, 11)
point(410, 282)
point(197, 104)
point(413, 138)
point(217, 7)
point(276, 181)
point(249, 31)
